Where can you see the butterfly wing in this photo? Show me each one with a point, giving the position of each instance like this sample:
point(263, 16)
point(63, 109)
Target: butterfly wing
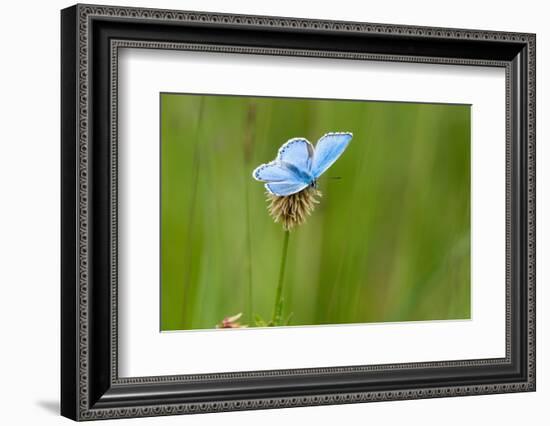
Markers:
point(328, 149)
point(282, 189)
point(280, 179)
point(273, 172)
point(297, 152)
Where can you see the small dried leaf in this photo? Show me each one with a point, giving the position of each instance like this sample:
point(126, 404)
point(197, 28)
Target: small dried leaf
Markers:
point(231, 322)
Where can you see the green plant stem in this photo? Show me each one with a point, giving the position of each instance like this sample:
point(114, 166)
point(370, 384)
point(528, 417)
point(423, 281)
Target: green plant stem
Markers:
point(250, 130)
point(249, 259)
point(187, 286)
point(278, 309)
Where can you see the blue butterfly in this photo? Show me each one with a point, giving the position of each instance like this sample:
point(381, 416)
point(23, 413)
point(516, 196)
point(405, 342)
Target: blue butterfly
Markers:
point(299, 165)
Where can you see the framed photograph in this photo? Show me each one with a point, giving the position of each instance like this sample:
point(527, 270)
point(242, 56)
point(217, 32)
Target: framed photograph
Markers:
point(263, 212)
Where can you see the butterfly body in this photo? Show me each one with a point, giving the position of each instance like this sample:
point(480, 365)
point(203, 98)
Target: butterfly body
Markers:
point(299, 165)
point(303, 175)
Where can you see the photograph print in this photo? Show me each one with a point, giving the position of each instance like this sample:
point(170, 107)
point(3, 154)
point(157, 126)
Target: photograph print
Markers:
point(282, 212)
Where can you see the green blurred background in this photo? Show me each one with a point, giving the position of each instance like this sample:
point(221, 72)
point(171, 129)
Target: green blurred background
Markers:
point(390, 240)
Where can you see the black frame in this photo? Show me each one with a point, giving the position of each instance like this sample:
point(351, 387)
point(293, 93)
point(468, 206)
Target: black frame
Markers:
point(90, 38)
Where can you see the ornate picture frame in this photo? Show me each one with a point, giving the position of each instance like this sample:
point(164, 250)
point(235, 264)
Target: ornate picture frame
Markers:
point(91, 37)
